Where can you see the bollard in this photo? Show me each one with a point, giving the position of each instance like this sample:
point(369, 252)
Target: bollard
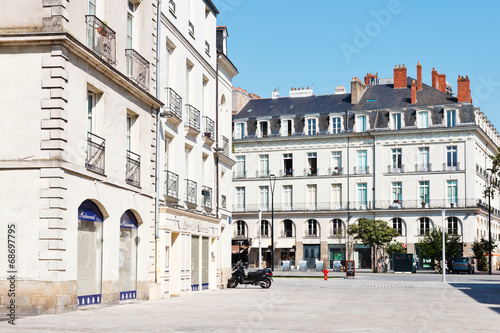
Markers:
point(325, 272)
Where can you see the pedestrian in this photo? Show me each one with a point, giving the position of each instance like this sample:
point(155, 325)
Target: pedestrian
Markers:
point(379, 265)
point(386, 264)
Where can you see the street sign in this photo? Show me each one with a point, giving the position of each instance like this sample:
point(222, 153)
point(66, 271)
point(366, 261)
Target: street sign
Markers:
point(349, 268)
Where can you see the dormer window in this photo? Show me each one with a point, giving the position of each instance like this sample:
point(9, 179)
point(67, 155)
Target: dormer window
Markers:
point(451, 118)
point(423, 119)
point(239, 131)
point(361, 123)
point(263, 128)
point(311, 125)
point(336, 122)
point(396, 122)
point(286, 127)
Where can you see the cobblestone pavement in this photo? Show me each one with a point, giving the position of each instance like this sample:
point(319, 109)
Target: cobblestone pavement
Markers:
point(368, 303)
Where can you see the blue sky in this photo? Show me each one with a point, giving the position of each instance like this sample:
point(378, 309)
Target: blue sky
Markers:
point(323, 44)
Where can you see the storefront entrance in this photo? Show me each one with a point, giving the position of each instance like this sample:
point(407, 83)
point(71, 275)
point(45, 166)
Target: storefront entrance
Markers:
point(128, 256)
point(311, 253)
point(336, 253)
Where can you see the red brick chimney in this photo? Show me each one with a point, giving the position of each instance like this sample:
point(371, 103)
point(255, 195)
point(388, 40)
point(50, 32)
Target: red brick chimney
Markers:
point(463, 89)
point(371, 78)
point(434, 78)
point(438, 80)
point(413, 93)
point(419, 76)
point(400, 77)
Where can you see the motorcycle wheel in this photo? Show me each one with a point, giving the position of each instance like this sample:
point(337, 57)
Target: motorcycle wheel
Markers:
point(266, 284)
point(232, 283)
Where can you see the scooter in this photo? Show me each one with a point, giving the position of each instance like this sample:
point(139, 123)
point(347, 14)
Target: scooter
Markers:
point(262, 277)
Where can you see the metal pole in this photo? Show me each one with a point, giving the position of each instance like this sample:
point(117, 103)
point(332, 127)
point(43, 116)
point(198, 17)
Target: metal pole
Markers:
point(444, 250)
point(260, 238)
point(272, 181)
point(489, 226)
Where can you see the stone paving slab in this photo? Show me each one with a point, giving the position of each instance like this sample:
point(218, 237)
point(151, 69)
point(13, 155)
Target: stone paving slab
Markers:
point(368, 303)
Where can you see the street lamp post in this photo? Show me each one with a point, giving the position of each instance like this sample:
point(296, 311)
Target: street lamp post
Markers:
point(489, 220)
point(272, 182)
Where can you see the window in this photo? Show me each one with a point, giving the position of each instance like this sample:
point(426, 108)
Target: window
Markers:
point(240, 167)
point(423, 159)
point(92, 7)
point(287, 229)
point(397, 224)
point(312, 228)
point(337, 227)
point(240, 131)
point(287, 165)
point(241, 229)
point(167, 258)
point(336, 162)
point(423, 119)
point(424, 226)
point(265, 228)
point(311, 196)
point(336, 125)
point(130, 123)
point(287, 197)
point(263, 129)
point(240, 199)
point(451, 118)
point(312, 160)
point(286, 127)
point(361, 123)
point(453, 225)
point(362, 195)
point(91, 102)
point(452, 192)
point(396, 160)
point(362, 162)
point(263, 165)
point(397, 192)
point(396, 121)
point(264, 198)
point(311, 126)
point(451, 158)
point(423, 188)
point(336, 196)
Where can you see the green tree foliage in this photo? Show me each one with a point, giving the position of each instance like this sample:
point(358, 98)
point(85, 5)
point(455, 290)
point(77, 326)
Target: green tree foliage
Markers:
point(480, 249)
point(396, 247)
point(431, 247)
point(375, 233)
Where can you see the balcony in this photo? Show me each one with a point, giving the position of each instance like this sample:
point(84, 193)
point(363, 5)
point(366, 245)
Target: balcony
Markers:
point(192, 123)
point(335, 171)
point(423, 167)
point(455, 167)
point(239, 174)
point(225, 145)
point(262, 174)
point(207, 48)
point(286, 172)
point(171, 186)
point(391, 169)
point(191, 193)
point(223, 201)
point(171, 7)
point(137, 68)
point(361, 171)
point(206, 193)
point(133, 176)
point(101, 39)
point(95, 153)
point(173, 106)
point(191, 29)
point(208, 131)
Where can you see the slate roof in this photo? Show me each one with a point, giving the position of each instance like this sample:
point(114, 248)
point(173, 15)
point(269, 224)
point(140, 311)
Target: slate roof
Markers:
point(385, 95)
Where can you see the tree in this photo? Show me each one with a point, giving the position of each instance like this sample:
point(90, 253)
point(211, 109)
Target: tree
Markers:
point(480, 249)
point(375, 233)
point(396, 247)
point(431, 246)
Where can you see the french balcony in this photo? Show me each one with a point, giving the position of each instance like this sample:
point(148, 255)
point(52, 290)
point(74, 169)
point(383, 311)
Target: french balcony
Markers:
point(239, 174)
point(208, 131)
point(397, 169)
point(286, 172)
point(191, 187)
point(137, 68)
point(192, 124)
point(171, 7)
point(287, 233)
point(101, 39)
point(173, 106)
point(133, 176)
point(223, 201)
point(262, 174)
point(311, 172)
point(206, 193)
point(95, 153)
point(452, 167)
point(171, 186)
point(361, 170)
point(423, 167)
point(191, 29)
point(207, 48)
point(225, 145)
point(335, 171)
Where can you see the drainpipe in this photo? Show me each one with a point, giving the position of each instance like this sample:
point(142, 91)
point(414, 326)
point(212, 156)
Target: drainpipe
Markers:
point(348, 186)
point(217, 133)
point(157, 159)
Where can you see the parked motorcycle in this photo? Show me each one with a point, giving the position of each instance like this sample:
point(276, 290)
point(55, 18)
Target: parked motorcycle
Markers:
point(262, 277)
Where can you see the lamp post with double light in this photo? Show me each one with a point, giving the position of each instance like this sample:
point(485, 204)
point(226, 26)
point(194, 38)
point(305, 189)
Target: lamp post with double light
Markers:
point(272, 183)
point(489, 220)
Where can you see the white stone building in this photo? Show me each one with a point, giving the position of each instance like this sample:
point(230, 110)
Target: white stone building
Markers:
point(79, 150)
point(394, 149)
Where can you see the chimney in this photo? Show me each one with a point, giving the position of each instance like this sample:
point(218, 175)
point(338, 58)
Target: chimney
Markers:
point(340, 90)
point(419, 76)
point(463, 89)
point(413, 93)
point(297, 92)
point(357, 90)
point(438, 81)
point(400, 77)
point(370, 78)
point(275, 94)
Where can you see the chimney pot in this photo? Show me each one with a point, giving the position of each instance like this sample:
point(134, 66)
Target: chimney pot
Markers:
point(463, 90)
point(400, 77)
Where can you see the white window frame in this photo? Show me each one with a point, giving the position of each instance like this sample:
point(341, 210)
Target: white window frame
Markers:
point(285, 130)
point(336, 199)
point(362, 161)
point(264, 197)
point(396, 159)
point(361, 123)
point(260, 123)
point(452, 191)
point(423, 191)
point(287, 197)
point(362, 195)
point(397, 191)
point(240, 130)
point(421, 116)
point(423, 159)
point(240, 198)
point(451, 158)
point(241, 166)
point(264, 165)
point(91, 111)
point(336, 162)
point(312, 196)
point(451, 122)
point(311, 125)
point(338, 120)
point(396, 120)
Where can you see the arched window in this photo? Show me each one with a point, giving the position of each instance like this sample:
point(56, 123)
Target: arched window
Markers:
point(89, 253)
point(265, 228)
point(128, 256)
point(287, 228)
point(399, 225)
point(312, 228)
point(337, 227)
point(424, 225)
point(240, 230)
point(453, 225)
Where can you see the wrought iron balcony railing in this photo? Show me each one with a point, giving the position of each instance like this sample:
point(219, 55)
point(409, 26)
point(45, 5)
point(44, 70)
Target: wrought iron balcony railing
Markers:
point(191, 191)
point(423, 167)
point(206, 193)
point(101, 39)
point(191, 28)
point(207, 48)
point(225, 145)
point(447, 167)
point(209, 128)
point(137, 68)
point(95, 153)
point(193, 117)
point(223, 201)
point(392, 169)
point(361, 170)
point(173, 103)
point(239, 174)
point(335, 171)
point(133, 176)
point(171, 185)
point(286, 172)
point(171, 7)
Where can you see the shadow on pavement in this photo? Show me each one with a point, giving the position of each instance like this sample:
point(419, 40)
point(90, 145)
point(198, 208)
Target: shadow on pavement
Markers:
point(486, 293)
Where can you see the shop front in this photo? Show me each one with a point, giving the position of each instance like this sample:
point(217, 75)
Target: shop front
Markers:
point(336, 252)
point(286, 248)
point(362, 256)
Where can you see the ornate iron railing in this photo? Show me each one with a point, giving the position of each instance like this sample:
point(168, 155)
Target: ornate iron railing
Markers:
point(101, 39)
point(171, 184)
point(133, 176)
point(95, 153)
point(209, 127)
point(174, 103)
point(225, 145)
point(191, 191)
point(193, 117)
point(206, 193)
point(137, 68)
